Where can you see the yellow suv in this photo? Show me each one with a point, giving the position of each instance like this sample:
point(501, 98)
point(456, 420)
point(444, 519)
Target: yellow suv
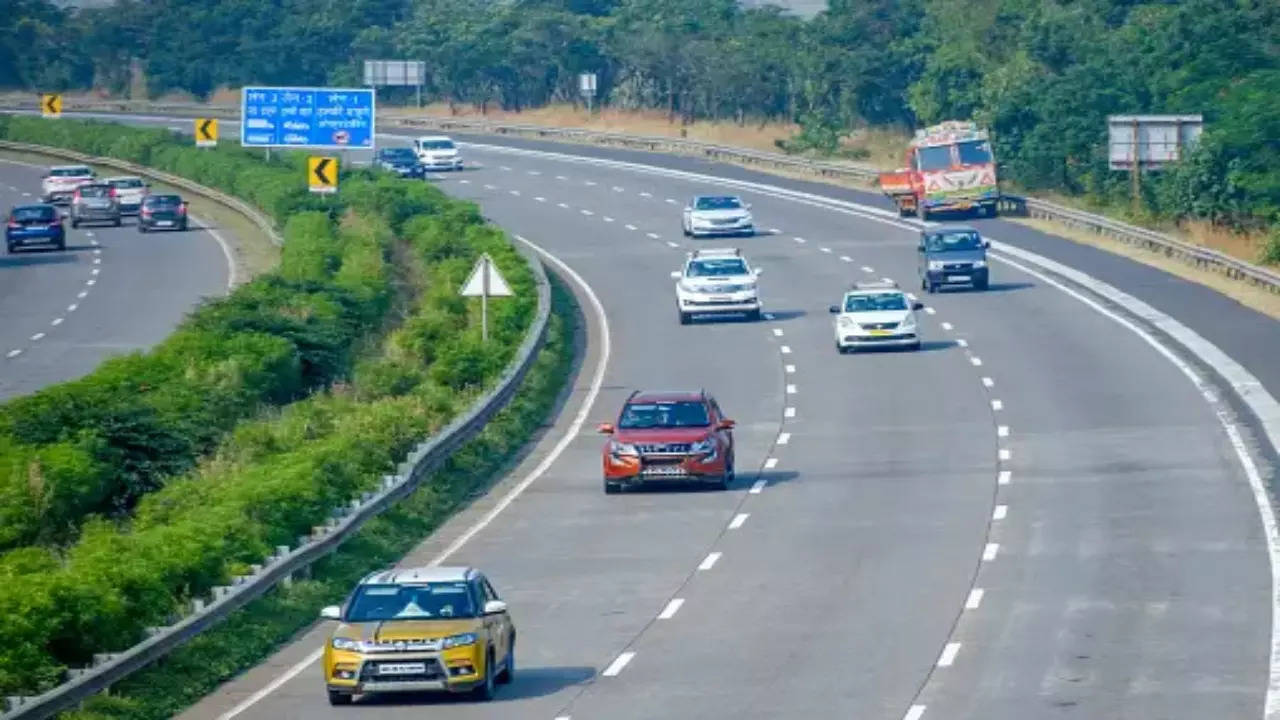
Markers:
point(419, 629)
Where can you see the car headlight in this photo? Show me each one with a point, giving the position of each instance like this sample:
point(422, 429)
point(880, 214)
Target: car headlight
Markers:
point(703, 447)
point(745, 219)
point(462, 640)
point(979, 263)
point(908, 322)
point(846, 322)
point(690, 288)
point(622, 449)
point(347, 644)
point(935, 264)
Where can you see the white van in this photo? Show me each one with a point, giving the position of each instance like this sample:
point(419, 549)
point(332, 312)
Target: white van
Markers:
point(437, 152)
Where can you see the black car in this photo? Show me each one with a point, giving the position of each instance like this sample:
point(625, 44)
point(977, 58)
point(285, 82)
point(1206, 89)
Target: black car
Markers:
point(162, 212)
point(400, 161)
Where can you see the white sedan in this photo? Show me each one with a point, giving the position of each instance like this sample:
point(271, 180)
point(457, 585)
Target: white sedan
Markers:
point(876, 314)
point(708, 215)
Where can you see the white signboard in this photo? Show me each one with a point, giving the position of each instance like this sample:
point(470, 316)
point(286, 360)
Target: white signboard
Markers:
point(387, 73)
point(587, 84)
point(1153, 141)
point(485, 282)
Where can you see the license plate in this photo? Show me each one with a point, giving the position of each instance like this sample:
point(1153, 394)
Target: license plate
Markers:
point(667, 471)
point(402, 668)
point(164, 223)
point(958, 278)
point(721, 298)
point(880, 332)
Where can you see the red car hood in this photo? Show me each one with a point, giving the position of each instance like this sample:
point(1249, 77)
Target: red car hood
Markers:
point(662, 435)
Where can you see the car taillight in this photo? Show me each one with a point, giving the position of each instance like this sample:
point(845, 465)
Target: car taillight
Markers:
point(146, 212)
point(14, 223)
point(182, 209)
point(111, 193)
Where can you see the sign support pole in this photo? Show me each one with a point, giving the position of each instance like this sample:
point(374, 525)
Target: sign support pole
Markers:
point(484, 299)
point(1135, 175)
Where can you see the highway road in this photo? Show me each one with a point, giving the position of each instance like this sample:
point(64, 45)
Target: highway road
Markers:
point(113, 291)
point(1038, 515)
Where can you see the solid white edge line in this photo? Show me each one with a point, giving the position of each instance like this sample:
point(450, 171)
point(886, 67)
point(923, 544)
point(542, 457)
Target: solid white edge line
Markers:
point(710, 561)
point(233, 277)
point(618, 663)
point(738, 520)
point(575, 427)
point(671, 609)
point(974, 601)
point(949, 652)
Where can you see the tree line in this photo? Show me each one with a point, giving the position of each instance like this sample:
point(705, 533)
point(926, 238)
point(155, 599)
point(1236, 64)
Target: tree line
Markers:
point(1042, 74)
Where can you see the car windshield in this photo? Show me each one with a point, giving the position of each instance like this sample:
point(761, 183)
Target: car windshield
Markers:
point(95, 191)
point(427, 601)
point(34, 212)
point(126, 183)
point(163, 201)
point(935, 158)
point(875, 302)
point(717, 203)
point(70, 172)
point(974, 152)
point(719, 267)
point(399, 154)
point(681, 413)
point(436, 144)
point(954, 240)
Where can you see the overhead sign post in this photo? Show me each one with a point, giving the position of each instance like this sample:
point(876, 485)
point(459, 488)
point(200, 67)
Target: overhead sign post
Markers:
point(587, 87)
point(322, 174)
point(206, 132)
point(396, 73)
point(51, 105)
point(485, 282)
point(1149, 142)
point(322, 118)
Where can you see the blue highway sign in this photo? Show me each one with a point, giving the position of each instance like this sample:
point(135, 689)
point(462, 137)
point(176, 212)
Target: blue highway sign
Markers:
point(336, 118)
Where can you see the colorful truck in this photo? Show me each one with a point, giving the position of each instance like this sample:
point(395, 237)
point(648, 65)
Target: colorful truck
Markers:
point(950, 166)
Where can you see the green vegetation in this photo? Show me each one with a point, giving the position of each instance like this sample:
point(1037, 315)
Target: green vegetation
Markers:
point(142, 486)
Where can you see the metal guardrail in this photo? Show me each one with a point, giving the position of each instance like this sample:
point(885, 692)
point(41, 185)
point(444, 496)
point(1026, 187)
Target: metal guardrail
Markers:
point(261, 221)
point(281, 567)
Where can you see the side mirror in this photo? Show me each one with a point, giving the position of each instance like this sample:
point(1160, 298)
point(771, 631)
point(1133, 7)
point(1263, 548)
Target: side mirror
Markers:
point(675, 274)
point(917, 305)
point(332, 612)
point(834, 309)
point(493, 607)
point(605, 428)
point(725, 425)
point(758, 271)
point(920, 247)
point(986, 244)
point(746, 206)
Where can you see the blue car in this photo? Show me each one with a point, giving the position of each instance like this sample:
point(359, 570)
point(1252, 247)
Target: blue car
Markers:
point(34, 226)
point(400, 161)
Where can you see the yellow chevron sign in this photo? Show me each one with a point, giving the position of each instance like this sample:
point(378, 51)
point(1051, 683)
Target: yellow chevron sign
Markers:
point(322, 174)
point(206, 132)
point(51, 105)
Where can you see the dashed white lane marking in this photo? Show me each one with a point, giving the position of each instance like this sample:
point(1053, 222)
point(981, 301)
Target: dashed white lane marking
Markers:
point(646, 194)
point(56, 322)
point(514, 192)
point(868, 269)
point(946, 326)
point(37, 336)
point(784, 438)
point(777, 332)
point(97, 251)
point(886, 279)
point(618, 663)
point(975, 599)
point(912, 297)
point(757, 488)
point(990, 551)
point(930, 310)
point(915, 712)
point(1004, 477)
point(790, 368)
point(988, 382)
point(671, 201)
point(673, 244)
point(618, 189)
point(535, 172)
point(606, 218)
point(82, 294)
point(962, 342)
point(584, 211)
point(800, 240)
point(561, 177)
point(771, 463)
point(653, 236)
point(846, 258)
point(13, 353)
point(589, 183)
point(94, 271)
point(789, 412)
point(1002, 431)
point(563, 205)
point(710, 561)
point(630, 227)
point(1000, 512)
point(791, 389)
point(738, 520)
point(540, 199)
point(825, 249)
point(949, 652)
point(465, 182)
point(97, 261)
point(1005, 454)
point(504, 167)
point(786, 349)
point(26, 194)
point(72, 307)
point(775, 231)
point(91, 282)
point(671, 609)
point(490, 187)
point(977, 361)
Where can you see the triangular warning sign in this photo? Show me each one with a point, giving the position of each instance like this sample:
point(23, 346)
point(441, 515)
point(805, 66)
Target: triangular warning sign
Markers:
point(475, 285)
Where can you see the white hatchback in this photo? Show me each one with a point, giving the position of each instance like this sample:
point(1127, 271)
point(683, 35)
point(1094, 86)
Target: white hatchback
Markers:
point(717, 281)
point(130, 192)
point(437, 152)
point(876, 314)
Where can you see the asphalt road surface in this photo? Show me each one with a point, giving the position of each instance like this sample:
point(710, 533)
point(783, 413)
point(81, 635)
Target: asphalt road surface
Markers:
point(114, 290)
point(1035, 516)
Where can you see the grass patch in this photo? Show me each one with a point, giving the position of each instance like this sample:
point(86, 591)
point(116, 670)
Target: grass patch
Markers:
point(253, 633)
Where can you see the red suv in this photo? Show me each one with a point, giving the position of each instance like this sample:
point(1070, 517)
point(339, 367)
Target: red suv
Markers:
point(668, 436)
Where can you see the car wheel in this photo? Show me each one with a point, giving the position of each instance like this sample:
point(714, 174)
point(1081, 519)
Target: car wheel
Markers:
point(914, 346)
point(118, 222)
point(183, 227)
point(340, 698)
point(730, 472)
point(930, 286)
point(485, 691)
point(142, 228)
point(9, 248)
point(685, 231)
point(754, 316)
point(509, 667)
point(62, 245)
point(685, 318)
point(982, 284)
point(925, 215)
point(75, 223)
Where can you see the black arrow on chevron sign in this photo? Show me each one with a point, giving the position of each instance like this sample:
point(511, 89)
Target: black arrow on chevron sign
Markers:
point(320, 169)
point(204, 129)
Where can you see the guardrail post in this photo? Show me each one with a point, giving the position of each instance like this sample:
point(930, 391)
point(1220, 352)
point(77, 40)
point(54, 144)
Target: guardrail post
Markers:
point(197, 605)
